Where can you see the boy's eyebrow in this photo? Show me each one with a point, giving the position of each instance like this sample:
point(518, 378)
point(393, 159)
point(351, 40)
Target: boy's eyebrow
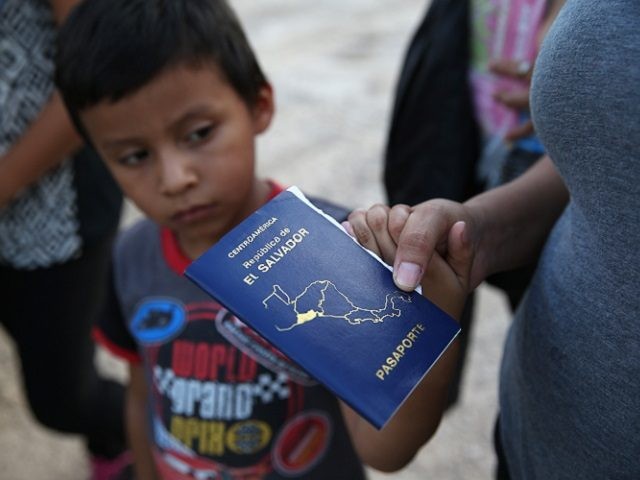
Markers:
point(195, 111)
point(120, 142)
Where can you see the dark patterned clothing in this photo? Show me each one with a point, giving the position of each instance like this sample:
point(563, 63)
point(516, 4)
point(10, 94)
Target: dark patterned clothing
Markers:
point(55, 240)
point(76, 203)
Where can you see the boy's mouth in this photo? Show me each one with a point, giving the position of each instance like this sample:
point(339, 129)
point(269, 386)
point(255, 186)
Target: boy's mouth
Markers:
point(194, 214)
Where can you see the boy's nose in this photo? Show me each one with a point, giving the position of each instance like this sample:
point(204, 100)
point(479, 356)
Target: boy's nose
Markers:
point(176, 174)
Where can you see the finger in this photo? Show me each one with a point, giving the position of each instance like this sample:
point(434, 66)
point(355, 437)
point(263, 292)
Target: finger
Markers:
point(511, 68)
point(521, 131)
point(348, 228)
point(398, 216)
point(518, 100)
point(362, 232)
point(378, 221)
point(425, 227)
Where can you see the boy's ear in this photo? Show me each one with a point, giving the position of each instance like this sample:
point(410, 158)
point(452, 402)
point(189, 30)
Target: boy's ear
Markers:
point(263, 109)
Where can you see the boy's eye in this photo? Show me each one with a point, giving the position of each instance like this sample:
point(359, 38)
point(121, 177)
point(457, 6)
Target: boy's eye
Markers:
point(134, 158)
point(199, 134)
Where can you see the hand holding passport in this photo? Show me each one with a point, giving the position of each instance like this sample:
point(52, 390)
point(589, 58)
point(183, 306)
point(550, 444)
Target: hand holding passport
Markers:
point(297, 278)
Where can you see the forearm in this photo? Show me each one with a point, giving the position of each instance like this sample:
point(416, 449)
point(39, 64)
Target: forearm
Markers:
point(61, 9)
point(393, 447)
point(48, 141)
point(515, 219)
point(412, 426)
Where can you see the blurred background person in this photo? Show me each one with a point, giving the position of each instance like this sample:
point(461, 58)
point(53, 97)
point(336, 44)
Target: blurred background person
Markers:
point(59, 209)
point(460, 122)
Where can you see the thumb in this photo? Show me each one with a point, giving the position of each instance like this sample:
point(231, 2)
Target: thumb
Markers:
point(460, 253)
point(417, 242)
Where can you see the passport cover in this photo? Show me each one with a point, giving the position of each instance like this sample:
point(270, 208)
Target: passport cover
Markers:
point(295, 276)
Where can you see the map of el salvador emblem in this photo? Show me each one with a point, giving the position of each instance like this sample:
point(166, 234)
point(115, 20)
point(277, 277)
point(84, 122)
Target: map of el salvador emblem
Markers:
point(322, 299)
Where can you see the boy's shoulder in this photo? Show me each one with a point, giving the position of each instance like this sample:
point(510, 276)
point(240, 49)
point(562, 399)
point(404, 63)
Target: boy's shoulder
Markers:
point(338, 212)
point(136, 238)
point(136, 254)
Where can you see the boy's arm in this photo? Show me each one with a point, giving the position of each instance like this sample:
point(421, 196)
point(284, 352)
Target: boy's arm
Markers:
point(445, 284)
point(393, 447)
point(137, 425)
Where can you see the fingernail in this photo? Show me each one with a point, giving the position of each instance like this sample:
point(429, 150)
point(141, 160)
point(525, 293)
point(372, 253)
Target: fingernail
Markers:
point(407, 275)
point(347, 226)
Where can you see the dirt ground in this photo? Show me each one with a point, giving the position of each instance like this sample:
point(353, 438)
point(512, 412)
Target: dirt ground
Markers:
point(333, 65)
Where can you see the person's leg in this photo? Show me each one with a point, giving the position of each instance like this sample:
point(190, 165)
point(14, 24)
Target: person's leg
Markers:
point(49, 315)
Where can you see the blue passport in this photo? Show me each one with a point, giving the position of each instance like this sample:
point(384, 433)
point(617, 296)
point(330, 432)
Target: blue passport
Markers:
point(297, 278)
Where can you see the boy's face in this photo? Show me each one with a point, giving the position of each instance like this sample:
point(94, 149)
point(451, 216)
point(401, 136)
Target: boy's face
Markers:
point(182, 148)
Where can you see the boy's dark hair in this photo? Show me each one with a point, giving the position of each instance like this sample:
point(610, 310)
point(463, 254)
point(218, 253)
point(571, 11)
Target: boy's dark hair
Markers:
point(108, 49)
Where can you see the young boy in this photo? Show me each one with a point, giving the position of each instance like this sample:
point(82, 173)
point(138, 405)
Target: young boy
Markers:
point(171, 95)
